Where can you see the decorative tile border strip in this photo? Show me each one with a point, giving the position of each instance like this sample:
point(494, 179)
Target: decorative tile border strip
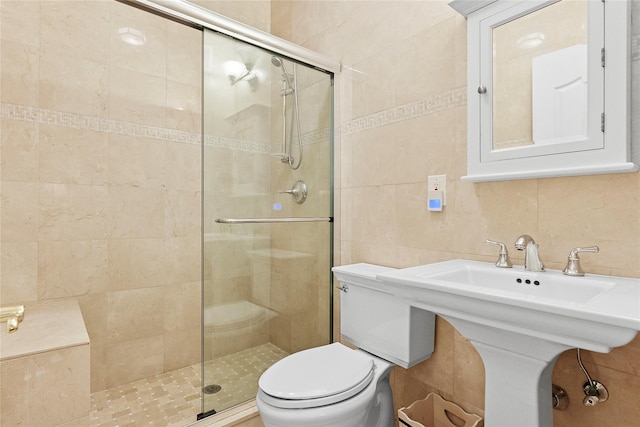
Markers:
point(236, 144)
point(439, 102)
point(119, 127)
point(319, 136)
point(98, 124)
point(446, 100)
point(315, 137)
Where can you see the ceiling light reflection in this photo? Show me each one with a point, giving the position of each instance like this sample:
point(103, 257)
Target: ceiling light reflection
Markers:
point(132, 36)
point(530, 40)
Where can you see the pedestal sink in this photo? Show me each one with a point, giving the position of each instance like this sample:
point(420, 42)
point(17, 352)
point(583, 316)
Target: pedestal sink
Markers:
point(520, 322)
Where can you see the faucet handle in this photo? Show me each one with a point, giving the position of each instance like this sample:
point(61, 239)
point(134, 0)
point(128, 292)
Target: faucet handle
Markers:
point(573, 267)
point(298, 191)
point(503, 258)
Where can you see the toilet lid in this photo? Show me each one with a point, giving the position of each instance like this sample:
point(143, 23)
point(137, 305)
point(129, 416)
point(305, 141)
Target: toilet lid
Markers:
point(316, 377)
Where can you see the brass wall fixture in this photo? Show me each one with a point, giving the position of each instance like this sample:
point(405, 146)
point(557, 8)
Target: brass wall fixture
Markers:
point(13, 316)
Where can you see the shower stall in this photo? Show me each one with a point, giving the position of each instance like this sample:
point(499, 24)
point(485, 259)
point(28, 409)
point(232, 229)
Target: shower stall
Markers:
point(267, 201)
point(267, 214)
point(169, 170)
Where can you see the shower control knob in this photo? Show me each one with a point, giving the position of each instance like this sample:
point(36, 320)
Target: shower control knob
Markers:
point(298, 191)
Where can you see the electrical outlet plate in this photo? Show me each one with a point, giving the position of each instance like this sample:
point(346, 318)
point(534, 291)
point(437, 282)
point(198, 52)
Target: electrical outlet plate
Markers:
point(438, 183)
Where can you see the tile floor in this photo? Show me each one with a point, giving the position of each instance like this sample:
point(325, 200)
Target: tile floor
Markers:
point(173, 399)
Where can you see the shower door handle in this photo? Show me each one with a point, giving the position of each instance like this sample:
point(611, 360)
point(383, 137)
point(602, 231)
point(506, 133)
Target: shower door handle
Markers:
point(271, 220)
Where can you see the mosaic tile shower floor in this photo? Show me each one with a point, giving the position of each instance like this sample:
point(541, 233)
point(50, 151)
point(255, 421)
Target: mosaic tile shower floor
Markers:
point(173, 399)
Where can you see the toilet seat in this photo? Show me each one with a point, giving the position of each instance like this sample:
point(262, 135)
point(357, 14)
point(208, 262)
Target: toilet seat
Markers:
point(316, 377)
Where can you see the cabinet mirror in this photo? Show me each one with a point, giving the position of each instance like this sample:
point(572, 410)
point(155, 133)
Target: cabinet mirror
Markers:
point(548, 88)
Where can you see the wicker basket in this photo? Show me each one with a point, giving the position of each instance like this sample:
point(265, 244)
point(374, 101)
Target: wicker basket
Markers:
point(434, 411)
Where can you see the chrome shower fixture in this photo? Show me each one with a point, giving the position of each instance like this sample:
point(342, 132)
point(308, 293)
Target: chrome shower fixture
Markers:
point(289, 87)
point(238, 71)
point(246, 75)
point(286, 77)
point(276, 61)
point(298, 191)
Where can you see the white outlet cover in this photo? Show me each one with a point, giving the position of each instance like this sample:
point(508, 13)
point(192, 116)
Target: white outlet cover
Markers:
point(438, 183)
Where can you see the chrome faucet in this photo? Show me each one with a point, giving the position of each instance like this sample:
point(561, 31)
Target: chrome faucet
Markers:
point(503, 258)
point(573, 267)
point(532, 261)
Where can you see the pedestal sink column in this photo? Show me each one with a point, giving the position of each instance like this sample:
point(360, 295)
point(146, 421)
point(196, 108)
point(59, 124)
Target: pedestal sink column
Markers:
point(518, 389)
point(517, 375)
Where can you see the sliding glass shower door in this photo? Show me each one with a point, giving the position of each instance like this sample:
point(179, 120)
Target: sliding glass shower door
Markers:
point(267, 211)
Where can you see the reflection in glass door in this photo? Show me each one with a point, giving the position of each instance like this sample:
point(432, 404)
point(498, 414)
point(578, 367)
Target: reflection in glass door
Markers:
point(267, 210)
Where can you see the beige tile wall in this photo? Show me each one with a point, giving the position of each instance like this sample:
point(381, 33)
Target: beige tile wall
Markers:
point(403, 117)
point(101, 178)
point(46, 389)
point(44, 368)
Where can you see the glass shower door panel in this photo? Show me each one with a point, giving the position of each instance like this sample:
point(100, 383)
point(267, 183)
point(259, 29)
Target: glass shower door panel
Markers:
point(266, 285)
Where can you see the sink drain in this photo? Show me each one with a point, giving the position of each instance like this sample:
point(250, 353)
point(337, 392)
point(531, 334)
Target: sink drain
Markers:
point(211, 389)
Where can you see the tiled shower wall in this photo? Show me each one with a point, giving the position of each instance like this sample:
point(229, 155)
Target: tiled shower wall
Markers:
point(101, 177)
point(281, 270)
point(402, 104)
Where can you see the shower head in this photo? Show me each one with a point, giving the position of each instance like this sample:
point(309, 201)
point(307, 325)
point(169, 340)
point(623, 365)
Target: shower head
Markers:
point(278, 62)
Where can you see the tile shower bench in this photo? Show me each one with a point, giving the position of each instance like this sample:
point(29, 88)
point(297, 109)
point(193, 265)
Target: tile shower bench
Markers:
point(44, 368)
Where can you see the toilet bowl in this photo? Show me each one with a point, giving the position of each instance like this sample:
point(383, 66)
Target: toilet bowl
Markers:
point(334, 385)
point(330, 385)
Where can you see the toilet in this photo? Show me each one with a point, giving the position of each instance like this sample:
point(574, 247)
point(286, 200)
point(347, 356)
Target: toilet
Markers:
point(334, 385)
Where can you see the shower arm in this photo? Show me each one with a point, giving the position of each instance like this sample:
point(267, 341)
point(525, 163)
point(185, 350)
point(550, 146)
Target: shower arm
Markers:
point(235, 80)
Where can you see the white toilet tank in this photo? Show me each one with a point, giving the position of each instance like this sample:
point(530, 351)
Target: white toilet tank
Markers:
point(380, 323)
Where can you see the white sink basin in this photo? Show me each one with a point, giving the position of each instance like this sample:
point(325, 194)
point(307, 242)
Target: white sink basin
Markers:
point(591, 312)
point(520, 322)
point(551, 286)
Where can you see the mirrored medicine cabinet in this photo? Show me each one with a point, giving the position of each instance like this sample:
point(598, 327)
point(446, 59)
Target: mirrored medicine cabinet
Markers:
point(548, 88)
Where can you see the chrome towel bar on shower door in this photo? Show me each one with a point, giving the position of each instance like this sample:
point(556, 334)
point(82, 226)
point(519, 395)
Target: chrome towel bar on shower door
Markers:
point(271, 220)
